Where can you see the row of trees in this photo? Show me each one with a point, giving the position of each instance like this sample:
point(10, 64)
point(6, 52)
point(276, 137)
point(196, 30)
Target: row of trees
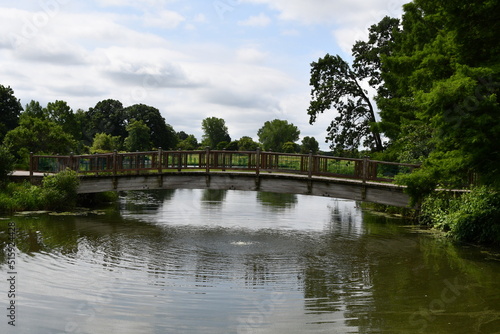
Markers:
point(109, 126)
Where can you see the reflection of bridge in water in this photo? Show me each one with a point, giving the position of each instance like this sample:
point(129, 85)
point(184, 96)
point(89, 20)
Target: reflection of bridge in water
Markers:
point(308, 174)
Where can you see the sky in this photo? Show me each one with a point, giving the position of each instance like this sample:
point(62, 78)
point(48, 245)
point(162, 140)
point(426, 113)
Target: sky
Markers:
point(246, 61)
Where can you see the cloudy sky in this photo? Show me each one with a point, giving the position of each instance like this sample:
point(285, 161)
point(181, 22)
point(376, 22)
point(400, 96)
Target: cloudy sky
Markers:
point(246, 61)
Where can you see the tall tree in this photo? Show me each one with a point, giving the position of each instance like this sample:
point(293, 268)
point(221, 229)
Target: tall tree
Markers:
point(161, 133)
point(61, 113)
point(10, 109)
point(138, 138)
point(35, 109)
point(189, 143)
point(336, 85)
point(108, 117)
point(309, 144)
point(247, 144)
point(277, 132)
point(39, 136)
point(105, 143)
point(214, 131)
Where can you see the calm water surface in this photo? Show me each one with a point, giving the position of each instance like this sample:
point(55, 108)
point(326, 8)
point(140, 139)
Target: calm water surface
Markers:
point(194, 261)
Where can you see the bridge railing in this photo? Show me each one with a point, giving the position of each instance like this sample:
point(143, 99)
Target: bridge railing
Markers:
point(215, 160)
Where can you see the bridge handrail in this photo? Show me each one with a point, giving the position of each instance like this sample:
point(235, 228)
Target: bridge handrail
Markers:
point(208, 160)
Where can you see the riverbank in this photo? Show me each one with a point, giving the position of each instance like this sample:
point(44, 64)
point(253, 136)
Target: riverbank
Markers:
point(472, 217)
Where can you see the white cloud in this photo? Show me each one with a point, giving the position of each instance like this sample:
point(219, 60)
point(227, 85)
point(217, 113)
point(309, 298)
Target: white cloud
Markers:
point(332, 12)
point(163, 19)
point(261, 20)
point(250, 55)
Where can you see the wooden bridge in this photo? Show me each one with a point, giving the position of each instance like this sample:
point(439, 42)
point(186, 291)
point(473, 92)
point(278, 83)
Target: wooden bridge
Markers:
point(355, 179)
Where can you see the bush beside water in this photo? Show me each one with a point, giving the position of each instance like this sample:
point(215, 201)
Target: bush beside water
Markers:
point(471, 217)
point(58, 192)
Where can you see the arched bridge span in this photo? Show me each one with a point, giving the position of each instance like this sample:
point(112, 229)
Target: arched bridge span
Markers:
point(318, 175)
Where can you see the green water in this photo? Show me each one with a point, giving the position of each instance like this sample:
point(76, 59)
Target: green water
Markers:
point(194, 261)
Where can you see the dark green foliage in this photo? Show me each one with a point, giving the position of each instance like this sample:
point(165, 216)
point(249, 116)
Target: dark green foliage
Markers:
point(214, 132)
point(290, 147)
point(10, 109)
point(247, 144)
point(190, 143)
point(222, 145)
point(309, 144)
point(6, 165)
point(39, 135)
point(472, 217)
point(108, 117)
point(161, 134)
point(276, 133)
point(60, 190)
point(105, 143)
point(138, 138)
point(61, 113)
point(232, 146)
point(420, 184)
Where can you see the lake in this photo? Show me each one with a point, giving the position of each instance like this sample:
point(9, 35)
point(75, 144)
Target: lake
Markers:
point(205, 261)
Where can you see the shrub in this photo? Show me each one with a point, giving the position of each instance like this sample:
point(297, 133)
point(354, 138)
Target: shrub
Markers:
point(419, 184)
point(473, 217)
point(27, 197)
point(60, 190)
point(6, 165)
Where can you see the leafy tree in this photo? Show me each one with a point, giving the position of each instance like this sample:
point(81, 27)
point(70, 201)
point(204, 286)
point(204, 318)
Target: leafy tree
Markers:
point(105, 143)
point(39, 136)
point(439, 85)
point(188, 144)
point(309, 144)
point(35, 109)
point(138, 138)
point(290, 147)
point(232, 146)
point(108, 116)
point(247, 144)
point(10, 109)
point(214, 131)
point(336, 85)
point(182, 135)
point(222, 145)
point(275, 133)
point(61, 113)
point(6, 165)
point(161, 133)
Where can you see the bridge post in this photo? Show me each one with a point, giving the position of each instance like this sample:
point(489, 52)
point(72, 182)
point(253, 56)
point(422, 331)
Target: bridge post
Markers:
point(365, 168)
point(115, 162)
point(310, 165)
point(160, 155)
point(179, 162)
point(72, 162)
point(207, 159)
point(257, 161)
point(224, 160)
point(32, 167)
